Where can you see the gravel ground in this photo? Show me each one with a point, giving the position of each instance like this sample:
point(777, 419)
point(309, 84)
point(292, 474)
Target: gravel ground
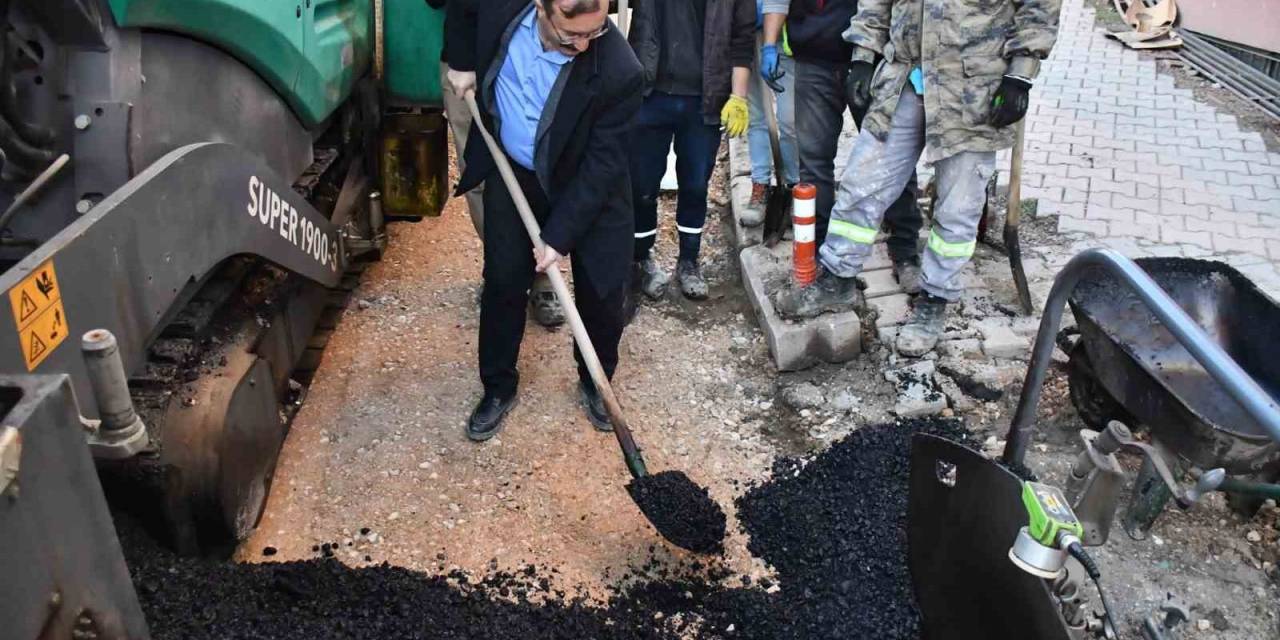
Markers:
point(381, 505)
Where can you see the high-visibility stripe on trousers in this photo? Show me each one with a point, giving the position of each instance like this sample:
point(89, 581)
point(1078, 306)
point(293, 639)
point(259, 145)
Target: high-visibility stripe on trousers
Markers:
point(875, 176)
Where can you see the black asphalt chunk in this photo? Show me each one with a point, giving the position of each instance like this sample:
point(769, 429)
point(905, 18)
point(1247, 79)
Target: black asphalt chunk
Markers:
point(833, 526)
point(680, 510)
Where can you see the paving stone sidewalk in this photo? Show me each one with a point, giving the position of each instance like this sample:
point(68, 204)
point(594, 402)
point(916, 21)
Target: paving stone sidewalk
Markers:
point(1129, 161)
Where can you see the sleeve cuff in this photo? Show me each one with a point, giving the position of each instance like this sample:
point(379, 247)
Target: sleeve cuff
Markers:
point(861, 54)
point(556, 237)
point(1024, 67)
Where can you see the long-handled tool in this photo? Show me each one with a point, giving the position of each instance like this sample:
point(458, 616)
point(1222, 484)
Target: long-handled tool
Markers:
point(680, 510)
point(1014, 217)
point(777, 209)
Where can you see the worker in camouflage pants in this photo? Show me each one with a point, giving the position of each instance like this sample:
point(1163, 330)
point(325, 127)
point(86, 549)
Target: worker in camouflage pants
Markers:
point(946, 79)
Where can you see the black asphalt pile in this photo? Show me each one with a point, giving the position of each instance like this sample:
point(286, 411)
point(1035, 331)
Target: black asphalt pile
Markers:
point(833, 526)
point(680, 510)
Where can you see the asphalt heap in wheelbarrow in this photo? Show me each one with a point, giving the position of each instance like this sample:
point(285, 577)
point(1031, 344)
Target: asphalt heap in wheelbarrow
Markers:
point(833, 526)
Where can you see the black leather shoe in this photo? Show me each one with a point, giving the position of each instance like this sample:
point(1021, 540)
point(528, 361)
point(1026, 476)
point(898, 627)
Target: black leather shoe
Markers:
point(593, 403)
point(486, 420)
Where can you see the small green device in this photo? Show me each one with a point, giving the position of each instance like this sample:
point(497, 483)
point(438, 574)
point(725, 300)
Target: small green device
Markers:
point(1049, 514)
point(1040, 548)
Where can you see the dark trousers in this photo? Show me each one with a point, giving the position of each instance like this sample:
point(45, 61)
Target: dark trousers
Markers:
point(662, 119)
point(508, 274)
point(820, 105)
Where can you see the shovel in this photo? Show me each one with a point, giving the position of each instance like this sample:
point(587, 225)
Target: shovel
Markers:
point(680, 510)
point(1013, 218)
point(777, 209)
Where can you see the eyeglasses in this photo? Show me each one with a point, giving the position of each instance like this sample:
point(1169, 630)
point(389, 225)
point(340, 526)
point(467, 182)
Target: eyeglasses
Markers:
point(574, 38)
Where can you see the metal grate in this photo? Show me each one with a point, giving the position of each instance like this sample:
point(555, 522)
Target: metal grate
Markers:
point(1233, 73)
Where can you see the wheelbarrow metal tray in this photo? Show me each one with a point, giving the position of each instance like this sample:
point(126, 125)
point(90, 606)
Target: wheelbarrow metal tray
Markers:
point(1146, 370)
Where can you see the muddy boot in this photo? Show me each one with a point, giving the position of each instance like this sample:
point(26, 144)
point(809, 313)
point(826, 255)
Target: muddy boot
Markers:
point(829, 293)
point(692, 284)
point(543, 304)
point(650, 278)
point(753, 215)
point(922, 331)
point(907, 273)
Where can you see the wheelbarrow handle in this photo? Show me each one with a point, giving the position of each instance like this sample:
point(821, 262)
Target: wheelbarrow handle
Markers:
point(1242, 387)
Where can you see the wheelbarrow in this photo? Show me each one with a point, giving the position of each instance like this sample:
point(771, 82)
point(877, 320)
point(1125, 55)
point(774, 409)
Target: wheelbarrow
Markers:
point(1180, 346)
point(1126, 366)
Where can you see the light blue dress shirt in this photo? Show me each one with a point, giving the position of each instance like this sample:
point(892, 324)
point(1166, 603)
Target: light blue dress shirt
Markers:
point(523, 85)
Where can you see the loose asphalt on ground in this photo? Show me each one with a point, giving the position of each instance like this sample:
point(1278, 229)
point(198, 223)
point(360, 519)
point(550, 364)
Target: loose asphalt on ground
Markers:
point(833, 525)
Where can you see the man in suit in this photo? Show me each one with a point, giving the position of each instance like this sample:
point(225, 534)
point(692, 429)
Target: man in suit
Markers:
point(542, 300)
point(558, 86)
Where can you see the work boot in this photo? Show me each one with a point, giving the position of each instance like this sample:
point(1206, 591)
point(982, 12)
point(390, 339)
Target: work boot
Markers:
point(829, 293)
point(544, 306)
point(907, 273)
point(593, 403)
point(921, 333)
point(650, 278)
point(692, 284)
point(487, 418)
point(753, 215)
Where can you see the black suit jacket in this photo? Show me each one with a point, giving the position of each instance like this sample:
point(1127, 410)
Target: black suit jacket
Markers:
point(586, 175)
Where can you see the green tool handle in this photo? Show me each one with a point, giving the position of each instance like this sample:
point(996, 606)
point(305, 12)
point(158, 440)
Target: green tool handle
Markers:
point(630, 452)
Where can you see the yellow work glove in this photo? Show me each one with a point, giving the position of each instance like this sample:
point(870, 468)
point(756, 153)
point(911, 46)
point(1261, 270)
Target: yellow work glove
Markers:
point(735, 116)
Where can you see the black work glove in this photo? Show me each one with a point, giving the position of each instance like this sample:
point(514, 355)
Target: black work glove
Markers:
point(1009, 104)
point(857, 84)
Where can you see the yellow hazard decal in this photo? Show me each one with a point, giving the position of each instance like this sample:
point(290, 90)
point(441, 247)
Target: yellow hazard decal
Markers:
point(38, 314)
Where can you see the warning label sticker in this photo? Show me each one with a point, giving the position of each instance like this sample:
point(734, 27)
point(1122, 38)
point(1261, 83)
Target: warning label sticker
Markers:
point(38, 314)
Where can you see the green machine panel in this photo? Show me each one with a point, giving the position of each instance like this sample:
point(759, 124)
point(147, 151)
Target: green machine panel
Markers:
point(413, 35)
point(310, 51)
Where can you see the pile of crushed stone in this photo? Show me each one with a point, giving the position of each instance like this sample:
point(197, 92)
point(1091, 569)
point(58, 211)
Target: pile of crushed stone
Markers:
point(833, 525)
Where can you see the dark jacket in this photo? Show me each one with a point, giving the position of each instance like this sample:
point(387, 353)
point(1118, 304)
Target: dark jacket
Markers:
point(728, 41)
point(582, 155)
point(815, 29)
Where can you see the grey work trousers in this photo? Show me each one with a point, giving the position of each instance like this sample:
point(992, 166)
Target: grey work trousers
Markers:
point(876, 173)
point(820, 103)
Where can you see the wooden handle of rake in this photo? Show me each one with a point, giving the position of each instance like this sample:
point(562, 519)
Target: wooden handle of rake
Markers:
point(631, 453)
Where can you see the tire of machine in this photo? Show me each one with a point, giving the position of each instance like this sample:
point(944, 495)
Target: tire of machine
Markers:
point(220, 454)
point(1092, 401)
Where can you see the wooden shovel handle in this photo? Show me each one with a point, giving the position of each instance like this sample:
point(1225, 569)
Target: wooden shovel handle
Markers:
point(620, 428)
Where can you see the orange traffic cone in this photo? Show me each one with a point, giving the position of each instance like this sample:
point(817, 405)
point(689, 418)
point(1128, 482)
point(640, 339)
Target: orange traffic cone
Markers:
point(804, 252)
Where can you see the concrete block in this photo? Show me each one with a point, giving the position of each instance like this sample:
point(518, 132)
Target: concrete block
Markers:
point(965, 349)
point(739, 196)
point(891, 310)
point(918, 392)
point(1004, 342)
point(739, 158)
point(879, 283)
point(831, 337)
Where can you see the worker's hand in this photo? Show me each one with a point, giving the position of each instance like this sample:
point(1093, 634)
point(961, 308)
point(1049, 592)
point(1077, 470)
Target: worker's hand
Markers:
point(735, 116)
point(857, 84)
point(1010, 102)
point(547, 259)
point(461, 82)
point(769, 69)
